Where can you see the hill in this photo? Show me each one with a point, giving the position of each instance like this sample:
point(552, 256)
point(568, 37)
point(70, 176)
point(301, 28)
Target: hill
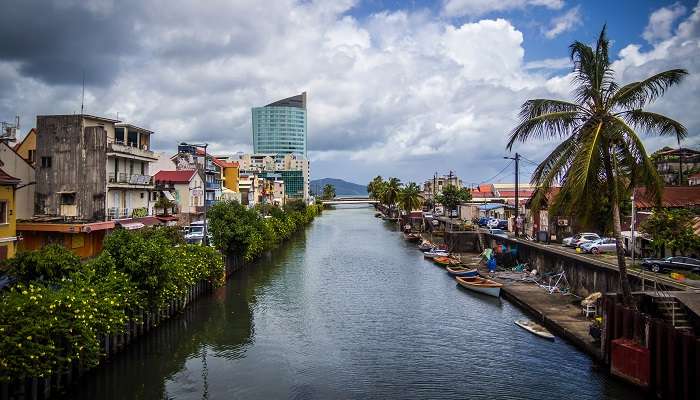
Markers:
point(342, 188)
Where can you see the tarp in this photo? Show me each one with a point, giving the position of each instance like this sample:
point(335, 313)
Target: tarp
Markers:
point(168, 195)
point(132, 225)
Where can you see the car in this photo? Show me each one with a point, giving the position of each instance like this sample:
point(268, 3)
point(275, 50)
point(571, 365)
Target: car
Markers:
point(579, 239)
point(497, 223)
point(483, 221)
point(604, 245)
point(498, 232)
point(671, 263)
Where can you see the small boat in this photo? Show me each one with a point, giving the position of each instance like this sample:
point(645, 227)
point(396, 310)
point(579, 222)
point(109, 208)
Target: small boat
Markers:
point(481, 285)
point(425, 246)
point(461, 271)
point(446, 261)
point(377, 215)
point(435, 253)
point(412, 237)
point(534, 328)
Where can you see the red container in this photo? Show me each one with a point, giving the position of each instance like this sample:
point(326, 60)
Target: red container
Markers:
point(630, 361)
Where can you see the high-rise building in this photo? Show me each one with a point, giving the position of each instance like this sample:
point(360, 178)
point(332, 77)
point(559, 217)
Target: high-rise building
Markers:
point(280, 127)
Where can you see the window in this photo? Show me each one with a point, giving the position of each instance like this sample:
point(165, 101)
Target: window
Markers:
point(68, 199)
point(119, 135)
point(31, 156)
point(3, 211)
point(142, 195)
point(45, 162)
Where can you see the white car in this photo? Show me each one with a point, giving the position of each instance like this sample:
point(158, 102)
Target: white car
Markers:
point(604, 245)
point(498, 232)
point(579, 239)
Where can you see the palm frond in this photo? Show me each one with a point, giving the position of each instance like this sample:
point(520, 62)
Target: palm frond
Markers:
point(555, 124)
point(537, 107)
point(653, 123)
point(638, 94)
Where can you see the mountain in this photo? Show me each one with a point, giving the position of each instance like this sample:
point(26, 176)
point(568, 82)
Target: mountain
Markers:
point(342, 188)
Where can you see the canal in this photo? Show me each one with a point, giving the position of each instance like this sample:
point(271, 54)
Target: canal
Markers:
point(348, 310)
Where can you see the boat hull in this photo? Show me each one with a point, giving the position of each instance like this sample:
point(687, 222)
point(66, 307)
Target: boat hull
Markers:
point(535, 329)
point(432, 254)
point(462, 271)
point(480, 285)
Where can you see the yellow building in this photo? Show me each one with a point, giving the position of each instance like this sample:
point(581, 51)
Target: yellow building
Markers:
point(27, 147)
point(8, 228)
point(230, 176)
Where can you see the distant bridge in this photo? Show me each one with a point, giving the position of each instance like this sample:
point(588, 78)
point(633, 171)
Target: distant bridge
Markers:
point(349, 200)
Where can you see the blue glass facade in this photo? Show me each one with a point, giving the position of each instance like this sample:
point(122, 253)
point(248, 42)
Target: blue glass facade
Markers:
point(280, 127)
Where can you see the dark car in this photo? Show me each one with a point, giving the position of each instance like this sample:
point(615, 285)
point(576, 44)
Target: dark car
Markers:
point(483, 221)
point(671, 263)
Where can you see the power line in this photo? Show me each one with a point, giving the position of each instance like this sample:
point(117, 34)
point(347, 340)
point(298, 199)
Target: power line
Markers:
point(499, 173)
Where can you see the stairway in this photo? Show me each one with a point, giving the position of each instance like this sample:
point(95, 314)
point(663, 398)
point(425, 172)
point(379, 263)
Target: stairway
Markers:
point(672, 311)
point(480, 235)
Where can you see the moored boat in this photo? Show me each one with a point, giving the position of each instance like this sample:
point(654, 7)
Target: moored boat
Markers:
point(534, 328)
point(435, 253)
point(412, 237)
point(446, 261)
point(481, 285)
point(425, 245)
point(457, 270)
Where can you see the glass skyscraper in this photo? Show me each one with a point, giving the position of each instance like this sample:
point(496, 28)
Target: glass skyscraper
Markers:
point(280, 127)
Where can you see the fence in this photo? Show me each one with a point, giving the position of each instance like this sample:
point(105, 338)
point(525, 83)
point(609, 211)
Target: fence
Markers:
point(673, 356)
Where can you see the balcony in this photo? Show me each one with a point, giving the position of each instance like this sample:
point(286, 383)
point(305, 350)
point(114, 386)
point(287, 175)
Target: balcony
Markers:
point(213, 185)
point(123, 178)
point(210, 203)
point(130, 149)
point(118, 213)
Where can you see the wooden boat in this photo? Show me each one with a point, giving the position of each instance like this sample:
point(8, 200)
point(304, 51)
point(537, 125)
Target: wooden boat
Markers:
point(534, 328)
point(435, 253)
point(446, 261)
point(481, 285)
point(457, 270)
point(425, 246)
point(412, 237)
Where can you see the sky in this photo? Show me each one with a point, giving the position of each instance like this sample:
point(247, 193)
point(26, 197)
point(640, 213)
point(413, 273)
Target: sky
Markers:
point(395, 88)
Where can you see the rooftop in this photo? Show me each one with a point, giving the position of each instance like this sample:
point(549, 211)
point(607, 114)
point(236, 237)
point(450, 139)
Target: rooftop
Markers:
point(180, 176)
point(88, 116)
point(7, 179)
point(671, 197)
point(298, 101)
point(138, 128)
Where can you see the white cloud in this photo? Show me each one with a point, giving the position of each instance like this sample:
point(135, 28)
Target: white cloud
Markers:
point(459, 8)
point(661, 22)
point(549, 63)
point(568, 21)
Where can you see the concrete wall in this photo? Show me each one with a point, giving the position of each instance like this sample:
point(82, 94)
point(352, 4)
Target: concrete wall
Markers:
point(8, 229)
point(18, 167)
point(78, 164)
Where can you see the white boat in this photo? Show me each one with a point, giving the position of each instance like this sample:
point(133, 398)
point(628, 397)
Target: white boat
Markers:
point(479, 284)
point(534, 328)
point(435, 253)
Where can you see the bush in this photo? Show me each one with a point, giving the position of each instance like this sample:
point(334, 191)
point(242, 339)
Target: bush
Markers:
point(50, 263)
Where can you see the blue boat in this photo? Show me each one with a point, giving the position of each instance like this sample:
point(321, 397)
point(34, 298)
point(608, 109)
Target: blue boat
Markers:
point(461, 271)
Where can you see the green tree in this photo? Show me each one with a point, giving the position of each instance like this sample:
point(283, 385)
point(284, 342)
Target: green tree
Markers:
point(164, 204)
point(410, 197)
point(452, 196)
point(328, 191)
point(600, 148)
point(51, 263)
point(671, 229)
point(390, 193)
point(374, 188)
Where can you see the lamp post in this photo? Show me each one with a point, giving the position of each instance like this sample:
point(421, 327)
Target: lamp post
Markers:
point(632, 228)
point(205, 239)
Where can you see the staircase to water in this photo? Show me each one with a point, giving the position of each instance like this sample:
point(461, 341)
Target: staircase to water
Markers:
point(673, 311)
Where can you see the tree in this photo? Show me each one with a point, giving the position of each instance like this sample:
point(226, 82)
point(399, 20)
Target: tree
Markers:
point(672, 229)
point(410, 197)
point(164, 204)
point(390, 193)
point(374, 188)
point(601, 151)
point(328, 191)
point(452, 196)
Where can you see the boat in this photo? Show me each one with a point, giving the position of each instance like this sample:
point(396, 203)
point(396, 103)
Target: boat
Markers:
point(534, 328)
point(456, 270)
point(481, 285)
point(446, 261)
point(412, 237)
point(425, 245)
point(377, 215)
point(435, 253)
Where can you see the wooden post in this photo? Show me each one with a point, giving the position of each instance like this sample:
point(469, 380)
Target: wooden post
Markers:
point(659, 341)
point(672, 360)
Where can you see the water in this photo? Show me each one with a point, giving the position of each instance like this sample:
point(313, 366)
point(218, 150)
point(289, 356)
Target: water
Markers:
point(348, 310)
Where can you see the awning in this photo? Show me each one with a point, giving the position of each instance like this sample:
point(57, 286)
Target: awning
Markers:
point(132, 225)
point(168, 195)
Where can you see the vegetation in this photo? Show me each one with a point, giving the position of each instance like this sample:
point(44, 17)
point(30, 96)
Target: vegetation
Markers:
point(328, 192)
point(164, 204)
point(60, 308)
point(452, 196)
point(410, 197)
point(672, 229)
point(240, 231)
point(601, 151)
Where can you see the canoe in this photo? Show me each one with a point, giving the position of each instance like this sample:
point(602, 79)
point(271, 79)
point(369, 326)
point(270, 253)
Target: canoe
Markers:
point(412, 237)
point(435, 253)
point(445, 261)
point(481, 285)
point(534, 328)
point(425, 246)
point(461, 271)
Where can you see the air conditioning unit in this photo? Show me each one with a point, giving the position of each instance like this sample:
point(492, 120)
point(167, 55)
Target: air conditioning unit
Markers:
point(563, 222)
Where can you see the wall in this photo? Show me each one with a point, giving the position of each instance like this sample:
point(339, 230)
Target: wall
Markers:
point(78, 164)
point(84, 245)
point(8, 230)
point(28, 143)
point(231, 178)
point(19, 168)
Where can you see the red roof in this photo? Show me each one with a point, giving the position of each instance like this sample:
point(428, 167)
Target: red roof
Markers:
point(6, 179)
point(220, 163)
point(511, 193)
point(181, 176)
point(671, 197)
point(231, 164)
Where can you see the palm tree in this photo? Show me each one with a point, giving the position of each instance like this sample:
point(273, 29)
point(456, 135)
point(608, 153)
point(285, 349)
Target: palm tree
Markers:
point(328, 191)
point(374, 187)
point(410, 197)
point(391, 192)
point(601, 151)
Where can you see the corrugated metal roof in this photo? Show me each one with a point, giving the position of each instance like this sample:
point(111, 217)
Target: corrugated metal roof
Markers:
point(671, 197)
point(181, 176)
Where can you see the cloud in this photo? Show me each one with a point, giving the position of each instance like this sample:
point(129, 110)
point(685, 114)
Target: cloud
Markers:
point(549, 63)
point(459, 8)
point(661, 22)
point(568, 21)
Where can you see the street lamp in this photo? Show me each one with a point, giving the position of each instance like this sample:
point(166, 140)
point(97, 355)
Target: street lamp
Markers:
point(194, 146)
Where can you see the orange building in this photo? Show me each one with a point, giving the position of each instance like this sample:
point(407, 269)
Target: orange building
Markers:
point(83, 239)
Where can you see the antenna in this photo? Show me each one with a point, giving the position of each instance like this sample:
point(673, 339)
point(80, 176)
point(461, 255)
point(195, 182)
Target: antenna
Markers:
point(82, 101)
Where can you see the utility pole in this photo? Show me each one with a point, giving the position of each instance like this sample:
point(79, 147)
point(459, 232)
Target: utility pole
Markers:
point(517, 189)
point(434, 190)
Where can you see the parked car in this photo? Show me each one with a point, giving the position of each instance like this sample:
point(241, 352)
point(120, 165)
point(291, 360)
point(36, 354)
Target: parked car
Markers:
point(497, 223)
point(498, 232)
point(483, 221)
point(579, 239)
point(604, 245)
point(671, 263)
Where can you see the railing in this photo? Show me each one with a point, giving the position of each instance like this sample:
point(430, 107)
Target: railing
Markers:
point(210, 203)
point(129, 179)
point(117, 213)
point(213, 186)
point(131, 149)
